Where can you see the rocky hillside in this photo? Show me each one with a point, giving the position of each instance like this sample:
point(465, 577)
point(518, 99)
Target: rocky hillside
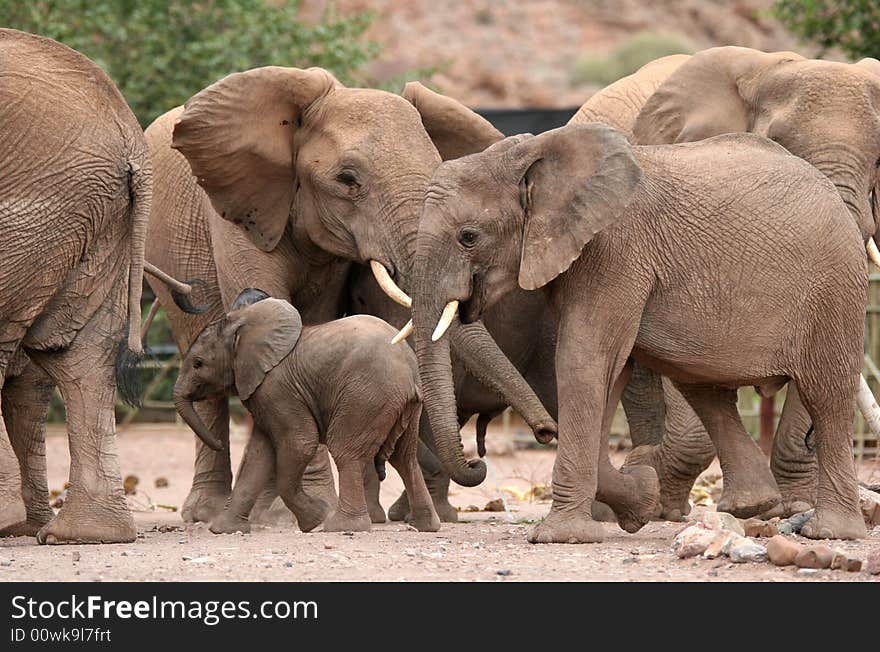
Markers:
point(548, 53)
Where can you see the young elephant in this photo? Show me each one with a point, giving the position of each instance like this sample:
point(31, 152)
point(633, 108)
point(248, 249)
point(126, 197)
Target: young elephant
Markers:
point(340, 383)
point(718, 264)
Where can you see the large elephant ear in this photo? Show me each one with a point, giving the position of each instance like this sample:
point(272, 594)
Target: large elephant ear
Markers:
point(455, 129)
point(576, 181)
point(264, 333)
point(714, 92)
point(238, 136)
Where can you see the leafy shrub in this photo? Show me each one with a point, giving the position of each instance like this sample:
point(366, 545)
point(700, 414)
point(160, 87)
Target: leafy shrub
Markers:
point(851, 25)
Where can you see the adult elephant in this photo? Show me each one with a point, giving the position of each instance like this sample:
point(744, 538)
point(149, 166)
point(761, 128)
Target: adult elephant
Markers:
point(825, 112)
point(299, 176)
point(623, 239)
point(75, 193)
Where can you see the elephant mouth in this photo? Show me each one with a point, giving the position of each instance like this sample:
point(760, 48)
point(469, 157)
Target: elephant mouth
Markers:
point(471, 310)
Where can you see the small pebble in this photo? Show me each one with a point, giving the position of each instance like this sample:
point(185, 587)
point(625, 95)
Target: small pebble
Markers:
point(504, 572)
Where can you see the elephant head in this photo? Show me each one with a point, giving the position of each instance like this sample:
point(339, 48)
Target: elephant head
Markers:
point(236, 351)
point(518, 213)
point(825, 112)
point(345, 170)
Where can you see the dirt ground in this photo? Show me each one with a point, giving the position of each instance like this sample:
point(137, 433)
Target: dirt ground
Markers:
point(485, 546)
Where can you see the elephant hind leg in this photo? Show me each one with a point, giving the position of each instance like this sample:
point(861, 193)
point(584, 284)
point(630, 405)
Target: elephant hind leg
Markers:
point(26, 399)
point(749, 487)
point(404, 459)
point(793, 464)
point(837, 500)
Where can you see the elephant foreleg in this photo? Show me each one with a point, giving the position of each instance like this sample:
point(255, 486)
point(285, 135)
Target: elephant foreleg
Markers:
point(26, 399)
point(257, 468)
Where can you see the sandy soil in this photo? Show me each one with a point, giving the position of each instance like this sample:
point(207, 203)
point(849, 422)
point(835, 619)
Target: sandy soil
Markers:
point(485, 546)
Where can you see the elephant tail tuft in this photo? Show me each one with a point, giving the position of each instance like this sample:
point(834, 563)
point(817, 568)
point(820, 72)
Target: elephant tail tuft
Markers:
point(128, 378)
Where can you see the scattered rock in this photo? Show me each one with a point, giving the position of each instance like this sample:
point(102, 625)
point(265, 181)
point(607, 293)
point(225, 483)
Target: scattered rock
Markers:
point(288, 564)
point(693, 541)
point(782, 550)
point(755, 527)
point(504, 572)
point(869, 502)
point(76, 556)
point(6, 563)
point(807, 571)
point(842, 561)
point(161, 482)
point(784, 527)
point(130, 484)
point(743, 550)
point(718, 544)
point(872, 563)
point(814, 557)
point(496, 505)
point(798, 520)
point(723, 521)
point(470, 508)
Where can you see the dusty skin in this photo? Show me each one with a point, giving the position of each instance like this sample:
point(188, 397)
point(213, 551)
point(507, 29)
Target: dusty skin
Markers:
point(484, 547)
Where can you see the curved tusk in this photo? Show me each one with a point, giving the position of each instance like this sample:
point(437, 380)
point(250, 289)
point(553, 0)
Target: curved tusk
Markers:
point(868, 406)
point(445, 320)
point(873, 251)
point(383, 278)
point(405, 332)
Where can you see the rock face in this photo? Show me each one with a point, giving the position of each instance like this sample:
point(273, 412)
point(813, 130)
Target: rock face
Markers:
point(743, 550)
point(782, 551)
point(814, 557)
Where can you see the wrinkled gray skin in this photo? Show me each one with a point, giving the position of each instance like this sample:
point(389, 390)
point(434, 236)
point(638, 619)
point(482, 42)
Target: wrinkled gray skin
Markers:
point(299, 177)
point(645, 252)
point(341, 383)
point(75, 192)
point(824, 112)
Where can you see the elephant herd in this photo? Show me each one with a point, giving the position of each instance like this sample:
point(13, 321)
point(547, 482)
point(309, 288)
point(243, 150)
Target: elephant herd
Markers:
point(699, 226)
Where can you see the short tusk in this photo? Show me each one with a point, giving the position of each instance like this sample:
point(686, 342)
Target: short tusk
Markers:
point(405, 332)
point(873, 251)
point(868, 406)
point(445, 320)
point(383, 278)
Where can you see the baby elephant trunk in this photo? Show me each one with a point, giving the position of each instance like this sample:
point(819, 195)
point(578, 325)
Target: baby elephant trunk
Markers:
point(187, 411)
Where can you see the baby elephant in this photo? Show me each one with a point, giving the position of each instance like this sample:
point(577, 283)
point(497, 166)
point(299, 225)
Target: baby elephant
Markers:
point(341, 383)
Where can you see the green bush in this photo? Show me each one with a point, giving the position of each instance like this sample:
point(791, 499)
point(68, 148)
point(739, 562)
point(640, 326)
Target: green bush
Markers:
point(627, 56)
point(159, 53)
point(851, 25)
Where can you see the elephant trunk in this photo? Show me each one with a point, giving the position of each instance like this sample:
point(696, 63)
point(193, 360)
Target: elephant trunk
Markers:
point(187, 411)
point(438, 397)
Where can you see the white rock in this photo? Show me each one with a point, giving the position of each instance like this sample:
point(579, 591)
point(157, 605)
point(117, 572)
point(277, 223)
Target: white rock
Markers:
point(693, 541)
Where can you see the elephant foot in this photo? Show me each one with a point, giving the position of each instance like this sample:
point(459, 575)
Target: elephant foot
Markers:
point(674, 489)
point(445, 511)
point(567, 527)
point(90, 522)
point(310, 512)
point(205, 502)
point(834, 524)
point(786, 508)
point(26, 528)
point(400, 509)
point(376, 512)
point(602, 512)
point(12, 512)
point(642, 503)
point(425, 520)
point(228, 523)
point(340, 522)
point(748, 502)
point(271, 510)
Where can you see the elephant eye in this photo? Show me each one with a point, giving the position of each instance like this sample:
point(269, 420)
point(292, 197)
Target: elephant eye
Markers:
point(347, 177)
point(467, 238)
point(197, 363)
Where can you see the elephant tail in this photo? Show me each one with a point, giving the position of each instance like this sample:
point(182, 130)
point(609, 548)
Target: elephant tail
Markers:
point(131, 351)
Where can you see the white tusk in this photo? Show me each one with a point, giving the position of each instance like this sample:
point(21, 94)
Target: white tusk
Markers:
point(383, 278)
point(868, 407)
point(445, 320)
point(873, 252)
point(405, 332)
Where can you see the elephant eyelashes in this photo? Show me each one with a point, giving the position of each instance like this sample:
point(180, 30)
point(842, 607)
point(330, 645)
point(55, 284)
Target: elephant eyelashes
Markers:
point(467, 238)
